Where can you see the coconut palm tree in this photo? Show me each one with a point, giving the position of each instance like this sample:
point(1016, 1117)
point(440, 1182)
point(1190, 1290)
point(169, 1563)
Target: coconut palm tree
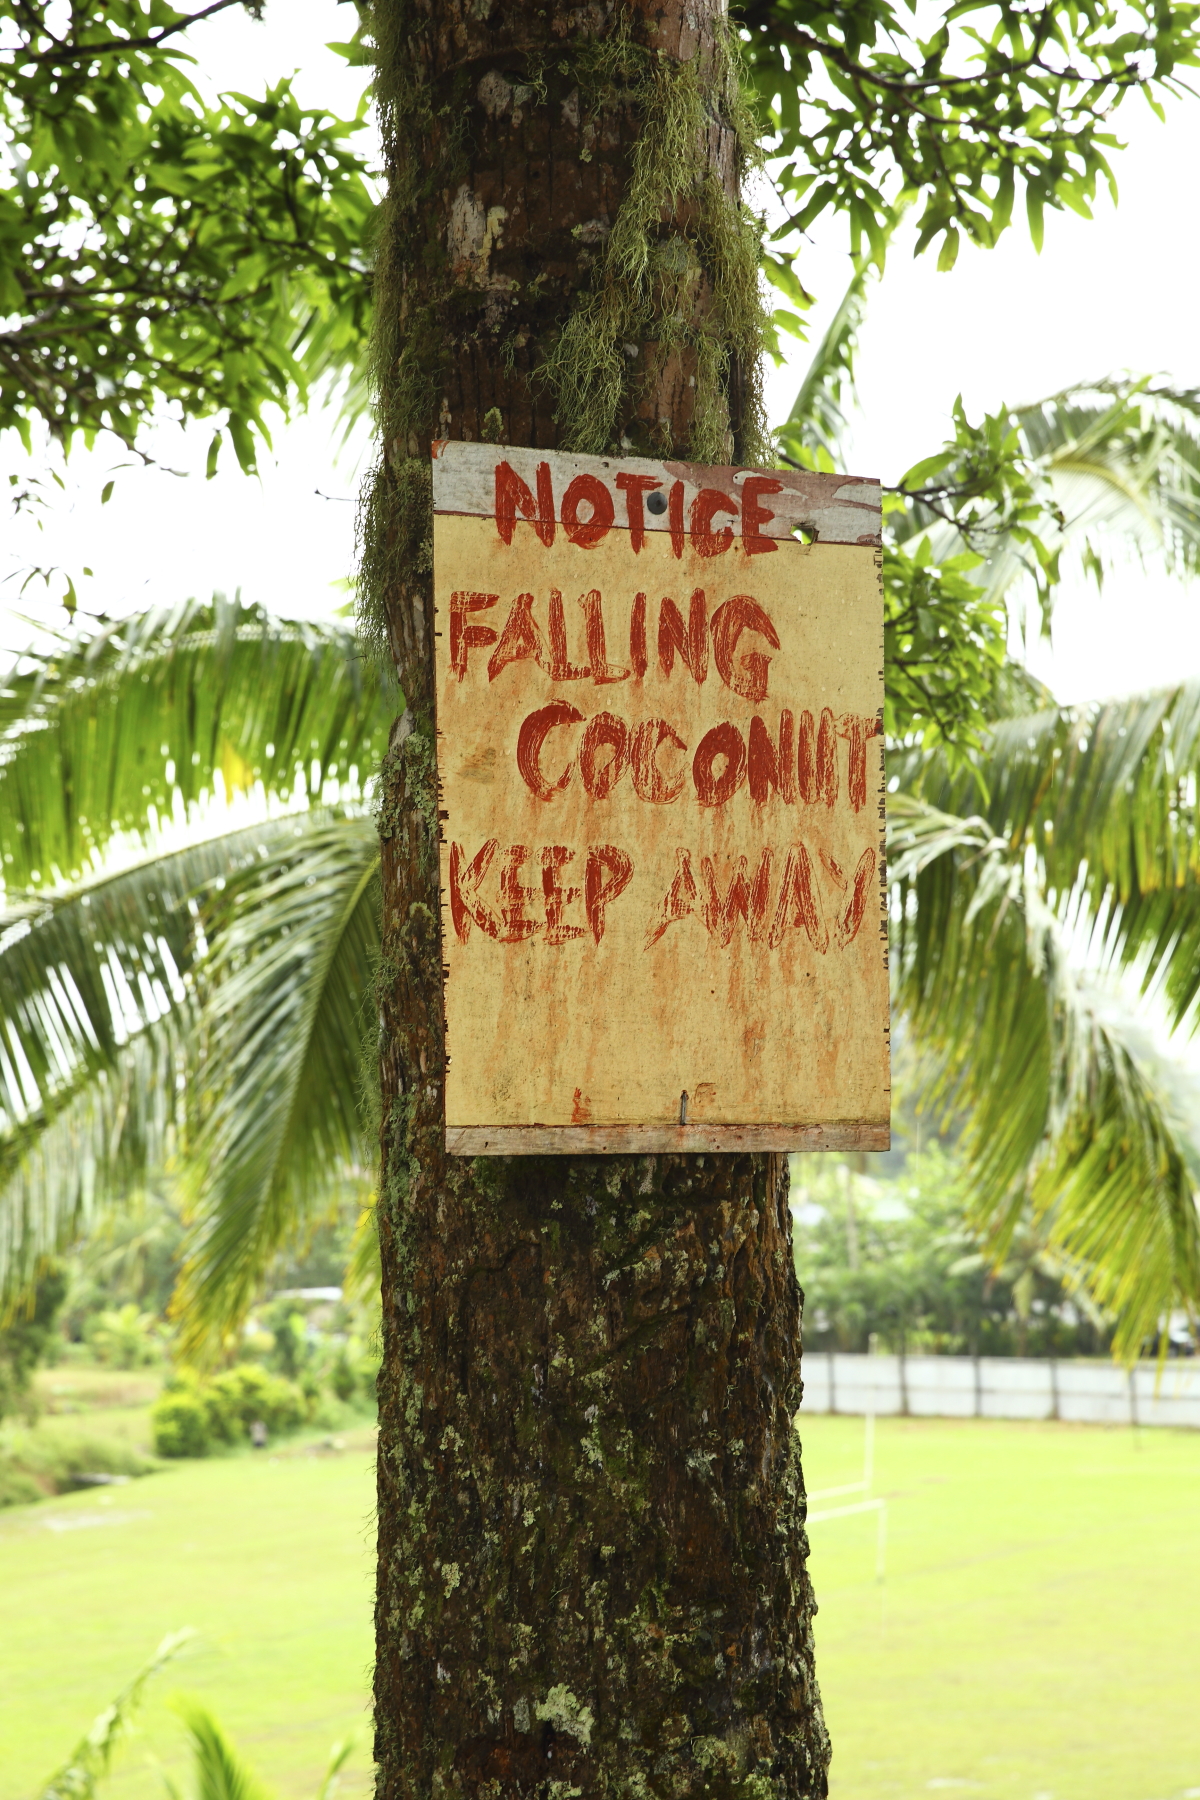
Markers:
point(192, 893)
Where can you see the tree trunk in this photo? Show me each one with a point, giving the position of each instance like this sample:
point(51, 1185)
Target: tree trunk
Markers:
point(591, 1542)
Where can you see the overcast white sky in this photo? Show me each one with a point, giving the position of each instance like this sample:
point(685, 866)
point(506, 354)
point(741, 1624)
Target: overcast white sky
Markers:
point(1116, 293)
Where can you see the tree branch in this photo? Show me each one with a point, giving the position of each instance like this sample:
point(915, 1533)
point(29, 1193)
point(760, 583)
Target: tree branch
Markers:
point(1007, 69)
point(66, 52)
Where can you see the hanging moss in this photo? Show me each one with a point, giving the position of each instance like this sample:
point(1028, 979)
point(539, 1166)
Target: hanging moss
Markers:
point(649, 283)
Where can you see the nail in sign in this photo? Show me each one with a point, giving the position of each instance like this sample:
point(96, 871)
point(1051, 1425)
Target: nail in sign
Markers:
point(661, 793)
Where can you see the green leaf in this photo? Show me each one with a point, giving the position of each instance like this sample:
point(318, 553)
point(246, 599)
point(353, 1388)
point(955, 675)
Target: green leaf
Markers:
point(242, 439)
point(1081, 840)
point(948, 254)
point(864, 107)
point(339, 1756)
point(289, 1003)
point(211, 257)
point(127, 720)
point(816, 424)
point(219, 1770)
point(92, 1757)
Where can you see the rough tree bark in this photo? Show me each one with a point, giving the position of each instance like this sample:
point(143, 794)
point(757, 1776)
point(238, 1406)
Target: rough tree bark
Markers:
point(591, 1571)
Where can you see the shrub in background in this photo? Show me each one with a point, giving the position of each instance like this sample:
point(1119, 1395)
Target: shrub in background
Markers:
point(126, 1338)
point(35, 1465)
point(328, 1347)
point(193, 1416)
point(179, 1425)
point(353, 1373)
point(17, 1486)
point(900, 1261)
point(343, 1377)
point(246, 1393)
point(292, 1348)
point(25, 1337)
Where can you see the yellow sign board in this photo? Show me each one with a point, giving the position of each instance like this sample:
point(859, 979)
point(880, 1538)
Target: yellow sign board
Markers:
point(661, 794)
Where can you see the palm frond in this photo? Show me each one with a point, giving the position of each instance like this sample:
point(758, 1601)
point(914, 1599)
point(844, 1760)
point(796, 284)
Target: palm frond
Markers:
point(1124, 458)
point(90, 966)
point(92, 1756)
point(63, 1168)
point(339, 1756)
point(220, 1773)
point(813, 434)
point(91, 1045)
point(97, 1045)
point(1105, 797)
point(364, 1270)
point(1062, 1111)
point(1120, 459)
point(133, 723)
point(288, 993)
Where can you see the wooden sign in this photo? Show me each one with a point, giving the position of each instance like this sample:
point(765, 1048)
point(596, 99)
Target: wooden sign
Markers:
point(660, 765)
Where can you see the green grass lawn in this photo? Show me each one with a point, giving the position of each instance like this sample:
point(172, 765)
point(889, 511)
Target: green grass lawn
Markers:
point(69, 1390)
point(1038, 1633)
point(85, 1405)
point(269, 1559)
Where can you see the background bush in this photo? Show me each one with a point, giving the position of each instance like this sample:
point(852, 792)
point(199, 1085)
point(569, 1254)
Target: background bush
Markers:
point(25, 1339)
point(125, 1338)
point(35, 1465)
point(17, 1486)
point(179, 1426)
point(193, 1417)
point(896, 1259)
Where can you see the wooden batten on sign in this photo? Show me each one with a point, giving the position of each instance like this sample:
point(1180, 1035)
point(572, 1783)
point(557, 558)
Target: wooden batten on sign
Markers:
point(661, 795)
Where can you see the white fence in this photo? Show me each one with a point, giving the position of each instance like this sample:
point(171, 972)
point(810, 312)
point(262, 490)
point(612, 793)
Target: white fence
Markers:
point(1002, 1387)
